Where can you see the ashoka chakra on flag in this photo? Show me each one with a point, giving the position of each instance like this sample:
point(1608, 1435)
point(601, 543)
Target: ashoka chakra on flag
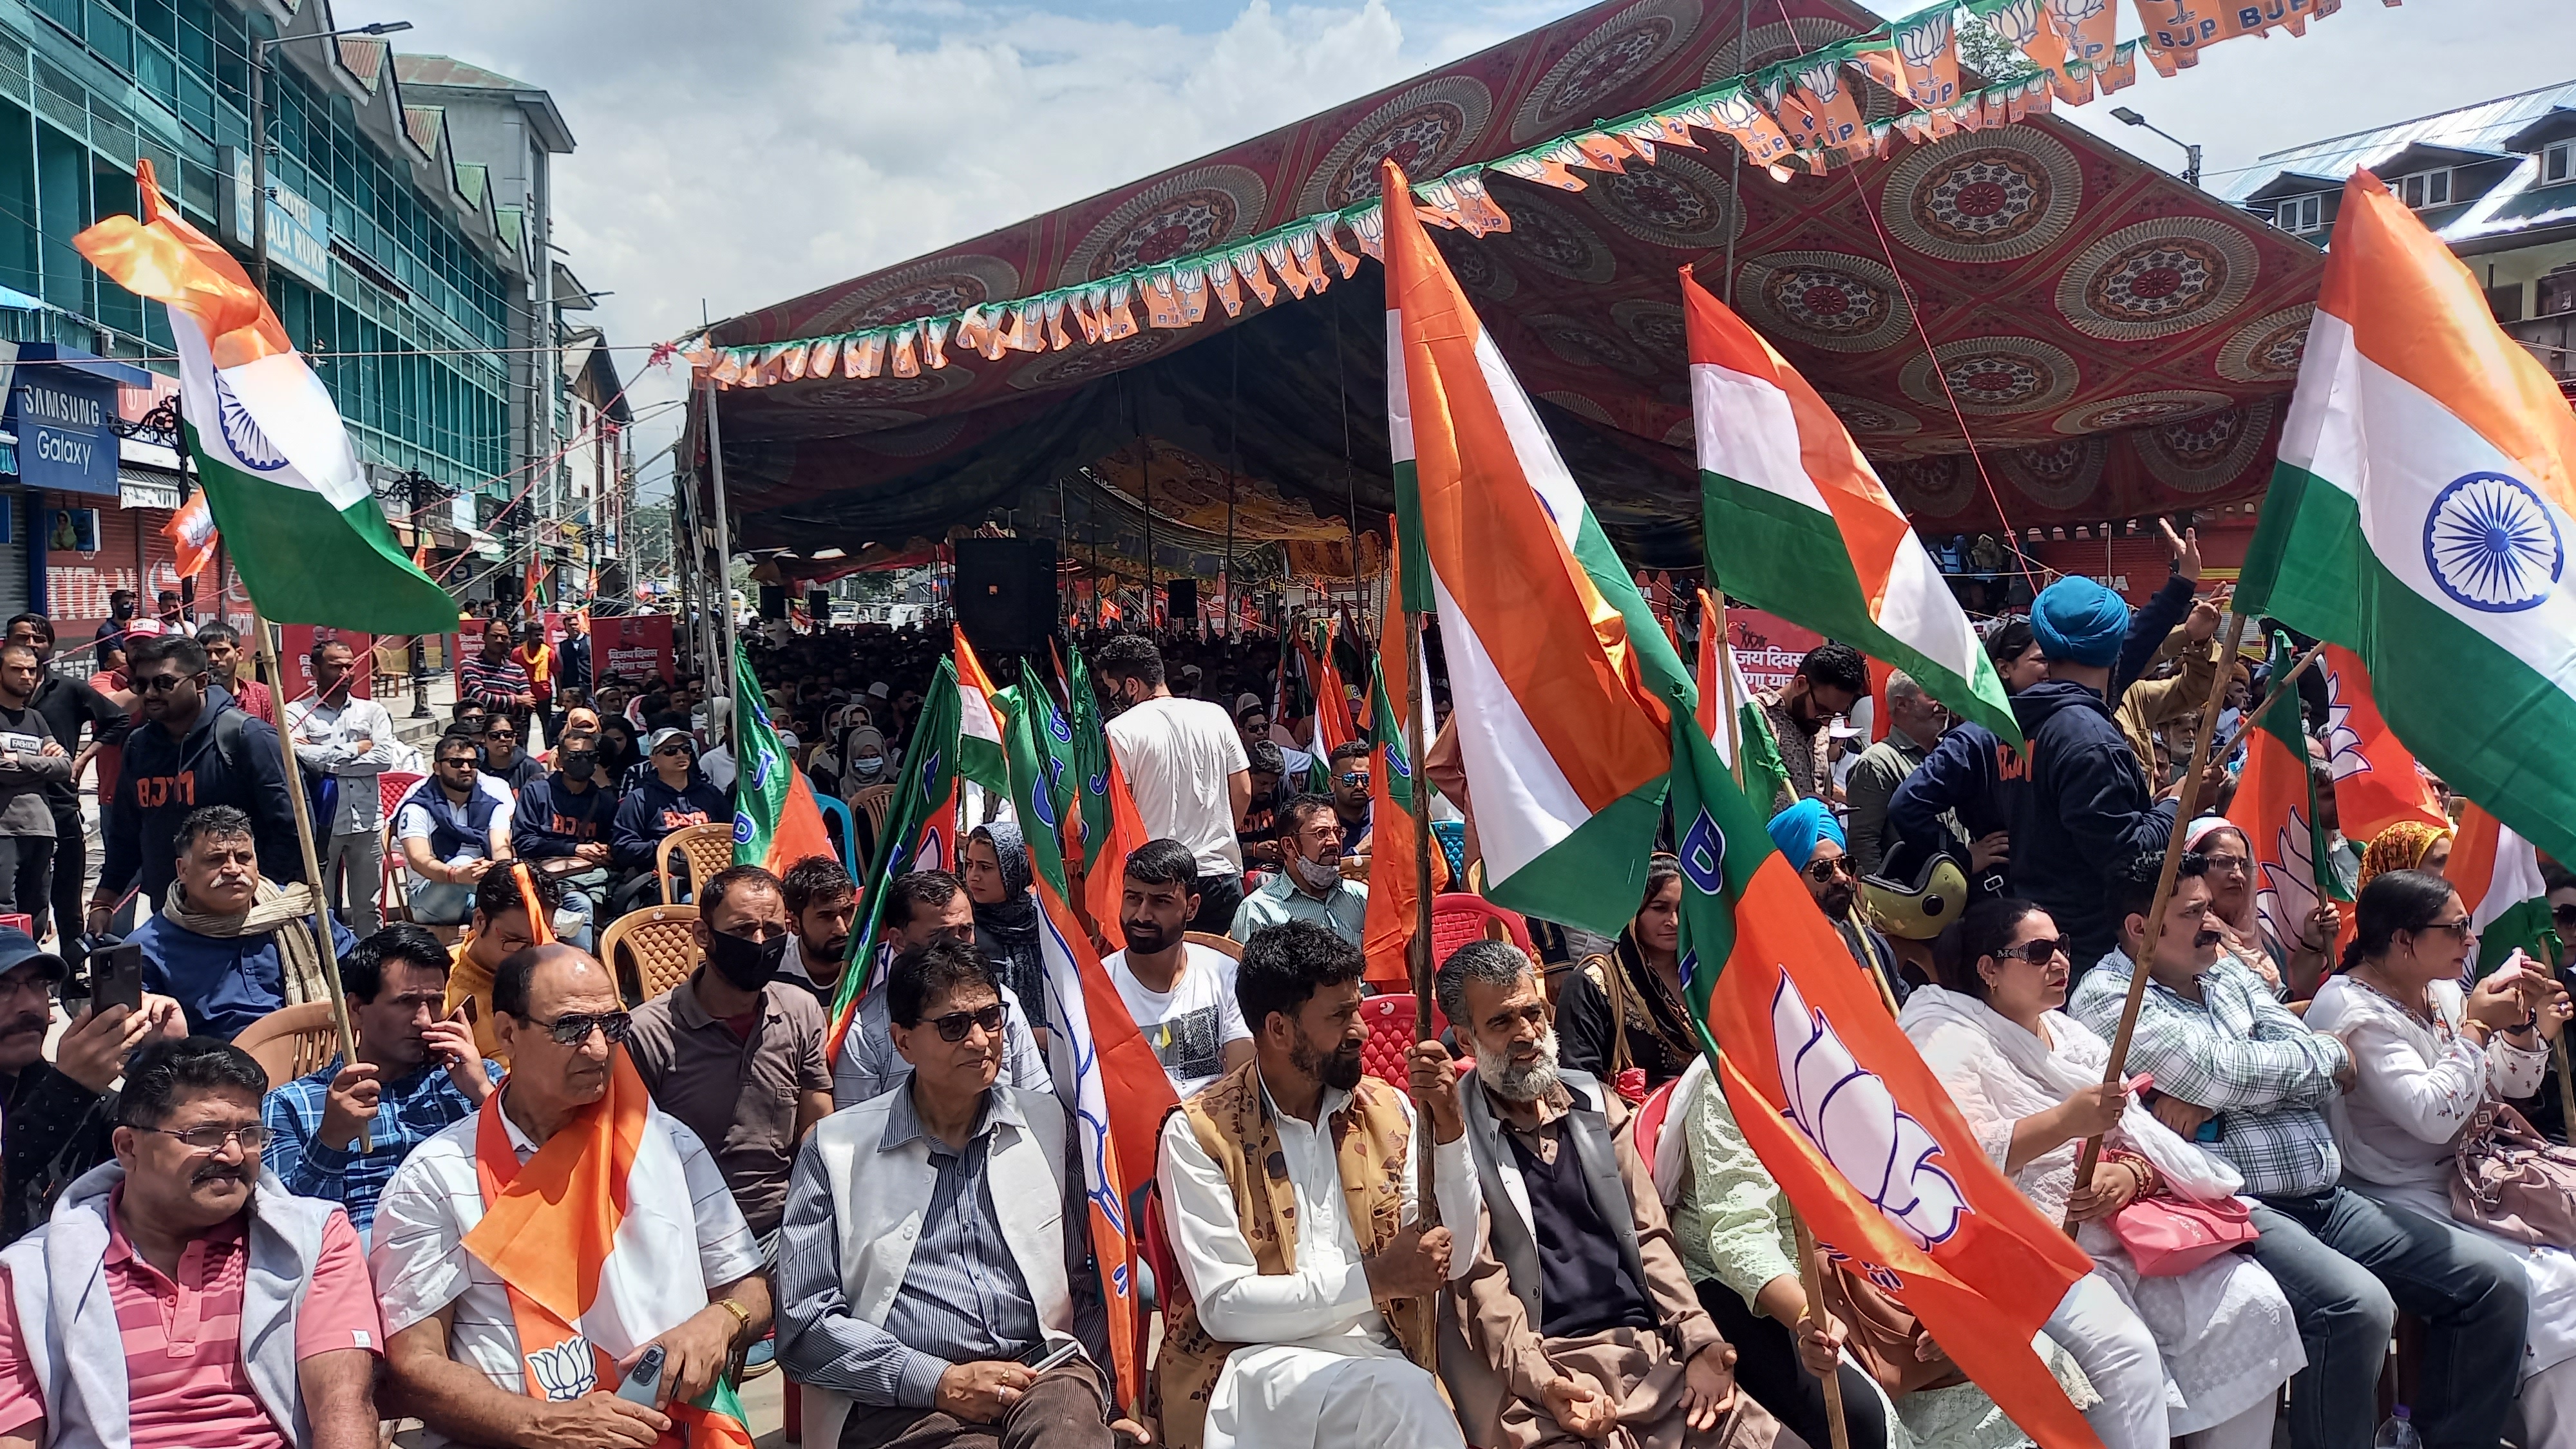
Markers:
point(2490, 543)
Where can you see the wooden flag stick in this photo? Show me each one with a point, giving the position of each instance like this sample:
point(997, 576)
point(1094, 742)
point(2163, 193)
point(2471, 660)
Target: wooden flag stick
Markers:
point(2116, 1072)
point(1807, 1280)
point(340, 1025)
point(1420, 950)
point(2245, 725)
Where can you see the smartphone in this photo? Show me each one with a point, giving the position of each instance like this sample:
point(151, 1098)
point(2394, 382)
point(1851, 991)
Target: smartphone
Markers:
point(116, 977)
point(643, 1379)
point(466, 1011)
point(1047, 1355)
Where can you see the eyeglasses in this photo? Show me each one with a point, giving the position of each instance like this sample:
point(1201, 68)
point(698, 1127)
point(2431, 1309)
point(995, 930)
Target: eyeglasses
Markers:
point(162, 683)
point(2460, 928)
point(2564, 915)
point(499, 735)
point(2039, 952)
point(1355, 777)
point(466, 760)
point(954, 1025)
point(1824, 870)
point(212, 1139)
point(2224, 864)
point(574, 1027)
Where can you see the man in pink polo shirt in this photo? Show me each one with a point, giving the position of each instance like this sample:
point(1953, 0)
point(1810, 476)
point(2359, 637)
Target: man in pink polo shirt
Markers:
point(234, 1316)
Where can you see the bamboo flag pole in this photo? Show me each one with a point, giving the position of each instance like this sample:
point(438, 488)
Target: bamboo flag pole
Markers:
point(340, 1025)
point(2190, 799)
point(1809, 1282)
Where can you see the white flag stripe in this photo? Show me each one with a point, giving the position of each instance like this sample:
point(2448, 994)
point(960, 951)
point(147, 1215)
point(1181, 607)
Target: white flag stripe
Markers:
point(1533, 806)
point(1755, 441)
point(1399, 402)
point(1539, 460)
point(1920, 609)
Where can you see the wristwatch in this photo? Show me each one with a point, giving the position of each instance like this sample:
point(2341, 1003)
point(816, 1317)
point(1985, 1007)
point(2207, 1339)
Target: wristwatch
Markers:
point(740, 1313)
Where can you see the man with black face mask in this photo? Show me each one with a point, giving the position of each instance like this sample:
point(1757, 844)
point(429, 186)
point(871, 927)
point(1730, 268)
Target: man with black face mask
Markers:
point(736, 1053)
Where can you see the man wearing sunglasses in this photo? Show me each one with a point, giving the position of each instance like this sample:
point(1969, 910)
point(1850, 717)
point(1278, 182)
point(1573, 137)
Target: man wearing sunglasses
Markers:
point(979, 1190)
point(452, 826)
point(673, 795)
point(194, 748)
point(1811, 839)
point(1351, 774)
point(186, 1296)
point(458, 1354)
point(923, 906)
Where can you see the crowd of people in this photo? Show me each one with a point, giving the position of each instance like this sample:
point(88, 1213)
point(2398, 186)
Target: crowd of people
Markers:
point(899, 1217)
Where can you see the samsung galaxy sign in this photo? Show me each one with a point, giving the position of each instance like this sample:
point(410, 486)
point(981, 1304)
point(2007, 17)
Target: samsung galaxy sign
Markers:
point(61, 418)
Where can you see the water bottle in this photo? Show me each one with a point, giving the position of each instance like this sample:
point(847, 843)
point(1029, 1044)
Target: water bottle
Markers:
point(2398, 1432)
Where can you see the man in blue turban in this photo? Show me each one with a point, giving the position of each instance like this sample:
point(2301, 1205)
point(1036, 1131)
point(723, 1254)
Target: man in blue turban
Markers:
point(1811, 839)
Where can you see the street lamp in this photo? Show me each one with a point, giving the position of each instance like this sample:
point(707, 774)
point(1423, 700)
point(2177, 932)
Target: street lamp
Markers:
point(259, 135)
point(2191, 153)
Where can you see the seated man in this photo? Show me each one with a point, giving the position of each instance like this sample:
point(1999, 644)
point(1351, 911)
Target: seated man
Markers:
point(1305, 1309)
point(671, 795)
point(1351, 767)
point(563, 819)
point(1811, 839)
point(55, 1117)
point(179, 1295)
point(1180, 994)
point(452, 825)
point(823, 907)
point(925, 906)
point(1309, 886)
point(470, 1352)
point(2222, 1047)
point(504, 761)
point(927, 1344)
point(735, 1053)
point(1578, 1311)
point(229, 946)
point(500, 929)
point(417, 1071)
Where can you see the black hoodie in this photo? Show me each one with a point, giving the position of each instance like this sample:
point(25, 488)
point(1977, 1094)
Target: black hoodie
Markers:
point(2081, 813)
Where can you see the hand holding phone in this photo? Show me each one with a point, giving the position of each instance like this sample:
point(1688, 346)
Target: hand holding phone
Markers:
point(116, 977)
point(643, 1379)
point(1048, 1355)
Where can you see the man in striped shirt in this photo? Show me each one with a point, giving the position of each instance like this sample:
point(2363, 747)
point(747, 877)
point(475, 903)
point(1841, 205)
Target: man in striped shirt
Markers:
point(495, 681)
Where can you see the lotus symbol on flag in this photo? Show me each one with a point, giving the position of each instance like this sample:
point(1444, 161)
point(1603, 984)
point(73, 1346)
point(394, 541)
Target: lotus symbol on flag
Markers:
point(242, 431)
point(1851, 1117)
point(567, 1370)
point(1922, 44)
point(2344, 753)
point(2491, 544)
point(2289, 889)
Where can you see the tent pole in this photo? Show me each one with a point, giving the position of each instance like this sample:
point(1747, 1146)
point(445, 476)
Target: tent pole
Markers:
point(1735, 178)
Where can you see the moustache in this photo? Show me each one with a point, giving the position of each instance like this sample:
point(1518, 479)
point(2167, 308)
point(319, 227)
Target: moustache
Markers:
point(24, 1023)
point(247, 1174)
point(2206, 937)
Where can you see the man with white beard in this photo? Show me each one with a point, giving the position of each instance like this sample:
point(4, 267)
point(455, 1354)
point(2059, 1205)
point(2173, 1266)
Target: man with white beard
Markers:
point(1577, 1314)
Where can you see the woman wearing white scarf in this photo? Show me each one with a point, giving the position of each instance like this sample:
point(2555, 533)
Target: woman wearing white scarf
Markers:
point(2220, 1340)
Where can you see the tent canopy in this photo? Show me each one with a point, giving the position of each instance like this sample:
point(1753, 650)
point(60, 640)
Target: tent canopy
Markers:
point(2115, 343)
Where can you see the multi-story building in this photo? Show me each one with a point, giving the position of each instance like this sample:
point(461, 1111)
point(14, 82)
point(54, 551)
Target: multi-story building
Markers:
point(2496, 180)
point(406, 227)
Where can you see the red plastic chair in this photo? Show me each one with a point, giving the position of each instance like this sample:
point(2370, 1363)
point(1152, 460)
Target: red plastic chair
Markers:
point(1458, 918)
point(1155, 1249)
point(393, 896)
point(392, 785)
point(1648, 1125)
point(1390, 1024)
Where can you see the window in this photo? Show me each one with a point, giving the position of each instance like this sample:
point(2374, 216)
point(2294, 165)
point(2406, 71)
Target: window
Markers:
point(2424, 188)
point(2557, 162)
point(2300, 214)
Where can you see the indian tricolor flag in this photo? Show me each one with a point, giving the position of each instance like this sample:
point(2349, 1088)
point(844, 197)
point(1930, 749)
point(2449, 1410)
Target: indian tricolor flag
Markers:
point(1565, 685)
point(775, 820)
point(281, 479)
point(2421, 513)
point(1796, 521)
point(2497, 874)
point(979, 742)
point(919, 833)
point(1721, 679)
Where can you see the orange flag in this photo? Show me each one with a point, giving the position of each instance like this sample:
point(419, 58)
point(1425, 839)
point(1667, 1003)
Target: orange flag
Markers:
point(2276, 808)
point(2376, 782)
point(192, 536)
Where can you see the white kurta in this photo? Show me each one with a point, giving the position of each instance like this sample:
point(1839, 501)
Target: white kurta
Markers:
point(1319, 1370)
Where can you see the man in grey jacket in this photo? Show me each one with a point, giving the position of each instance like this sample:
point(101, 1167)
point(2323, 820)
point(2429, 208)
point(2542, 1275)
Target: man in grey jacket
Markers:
point(94, 1354)
point(30, 761)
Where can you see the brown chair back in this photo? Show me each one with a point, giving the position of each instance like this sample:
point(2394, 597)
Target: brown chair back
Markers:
point(873, 802)
point(707, 848)
point(291, 1042)
point(651, 950)
point(1227, 944)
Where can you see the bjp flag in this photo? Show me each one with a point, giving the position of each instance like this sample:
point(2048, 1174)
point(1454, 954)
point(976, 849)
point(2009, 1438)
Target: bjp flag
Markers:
point(2376, 783)
point(2276, 808)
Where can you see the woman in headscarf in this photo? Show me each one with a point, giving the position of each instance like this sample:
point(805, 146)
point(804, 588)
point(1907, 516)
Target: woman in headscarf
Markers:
point(2292, 967)
point(2199, 1356)
point(1006, 914)
point(618, 756)
point(2406, 845)
point(864, 762)
point(1621, 1012)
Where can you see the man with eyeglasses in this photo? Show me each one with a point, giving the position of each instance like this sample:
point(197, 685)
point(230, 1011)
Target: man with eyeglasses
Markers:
point(673, 795)
point(472, 1352)
point(922, 906)
point(937, 1243)
point(1811, 839)
point(734, 1051)
point(181, 1295)
point(2237, 1071)
point(417, 1071)
point(1351, 766)
point(194, 748)
point(453, 826)
point(54, 1115)
point(1309, 886)
point(348, 740)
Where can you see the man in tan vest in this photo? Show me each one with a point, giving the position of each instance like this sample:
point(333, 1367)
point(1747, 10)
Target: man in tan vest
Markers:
point(1304, 1313)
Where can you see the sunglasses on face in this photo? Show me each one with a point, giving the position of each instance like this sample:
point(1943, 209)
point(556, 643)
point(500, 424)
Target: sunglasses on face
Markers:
point(2039, 952)
point(574, 1027)
point(954, 1026)
point(1824, 870)
point(162, 683)
point(500, 735)
point(1355, 777)
point(676, 752)
point(2564, 915)
point(463, 761)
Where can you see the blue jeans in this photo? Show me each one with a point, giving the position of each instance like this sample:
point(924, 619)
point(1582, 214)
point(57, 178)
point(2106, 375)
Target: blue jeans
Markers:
point(2347, 1264)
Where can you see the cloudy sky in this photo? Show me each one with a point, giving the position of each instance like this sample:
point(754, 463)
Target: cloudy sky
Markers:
point(733, 154)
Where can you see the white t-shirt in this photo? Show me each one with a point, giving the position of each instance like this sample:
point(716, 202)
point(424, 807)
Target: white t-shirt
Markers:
point(1177, 755)
point(1189, 1026)
point(413, 820)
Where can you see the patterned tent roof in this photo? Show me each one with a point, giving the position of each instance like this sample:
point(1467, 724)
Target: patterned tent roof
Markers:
point(2116, 342)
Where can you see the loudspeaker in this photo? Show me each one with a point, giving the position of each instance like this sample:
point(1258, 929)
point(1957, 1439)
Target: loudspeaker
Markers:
point(1006, 595)
point(1181, 600)
point(818, 605)
point(773, 602)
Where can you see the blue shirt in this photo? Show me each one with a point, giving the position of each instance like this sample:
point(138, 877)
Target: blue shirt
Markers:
point(411, 1111)
point(223, 983)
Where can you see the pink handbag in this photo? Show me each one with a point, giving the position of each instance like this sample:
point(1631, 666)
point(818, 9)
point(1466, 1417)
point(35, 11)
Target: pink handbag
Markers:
point(2169, 1236)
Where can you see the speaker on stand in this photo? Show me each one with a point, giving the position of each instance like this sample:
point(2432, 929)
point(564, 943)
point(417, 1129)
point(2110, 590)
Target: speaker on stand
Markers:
point(1005, 596)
